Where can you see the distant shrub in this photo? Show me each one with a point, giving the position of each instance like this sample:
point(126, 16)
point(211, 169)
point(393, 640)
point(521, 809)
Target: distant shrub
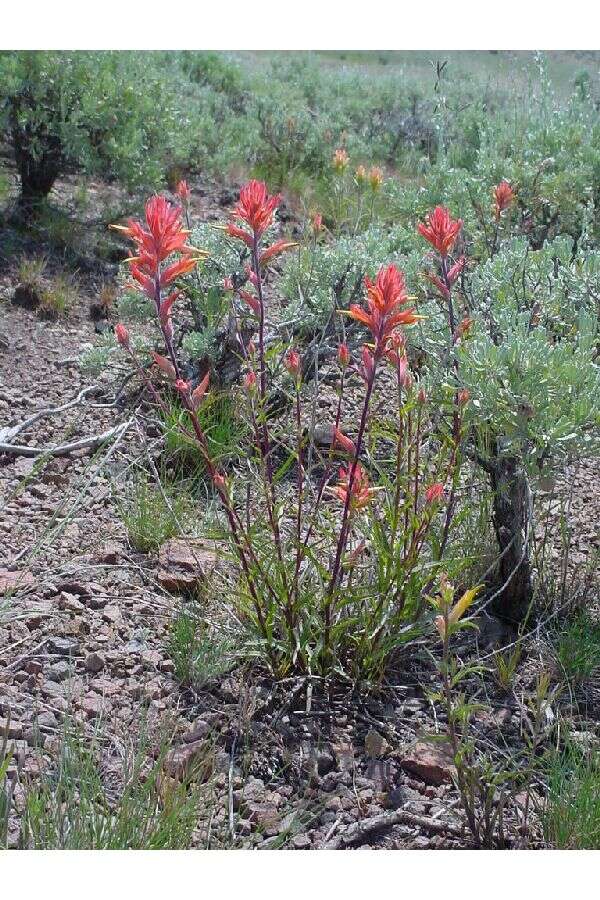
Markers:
point(106, 112)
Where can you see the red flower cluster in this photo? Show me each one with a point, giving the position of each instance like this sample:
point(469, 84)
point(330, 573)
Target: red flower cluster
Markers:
point(256, 208)
point(385, 296)
point(503, 197)
point(360, 494)
point(441, 230)
point(163, 236)
point(434, 492)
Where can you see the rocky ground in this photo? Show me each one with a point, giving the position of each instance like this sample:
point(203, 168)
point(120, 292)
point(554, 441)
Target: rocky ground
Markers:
point(84, 624)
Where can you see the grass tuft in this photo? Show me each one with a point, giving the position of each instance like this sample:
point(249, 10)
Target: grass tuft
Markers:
point(572, 814)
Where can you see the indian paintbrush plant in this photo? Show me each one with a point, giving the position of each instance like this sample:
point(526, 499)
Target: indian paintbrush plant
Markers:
point(532, 375)
point(331, 565)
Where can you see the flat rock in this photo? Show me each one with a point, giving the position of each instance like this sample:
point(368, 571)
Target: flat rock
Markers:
point(184, 563)
point(12, 581)
point(431, 763)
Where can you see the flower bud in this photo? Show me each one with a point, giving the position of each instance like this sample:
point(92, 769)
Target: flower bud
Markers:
point(182, 386)
point(463, 397)
point(122, 335)
point(292, 363)
point(250, 381)
point(375, 178)
point(343, 355)
point(360, 175)
point(228, 283)
point(252, 276)
point(317, 223)
point(219, 482)
point(340, 160)
point(422, 396)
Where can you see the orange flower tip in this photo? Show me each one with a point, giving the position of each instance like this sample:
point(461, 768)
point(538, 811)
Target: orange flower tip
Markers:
point(119, 227)
point(217, 227)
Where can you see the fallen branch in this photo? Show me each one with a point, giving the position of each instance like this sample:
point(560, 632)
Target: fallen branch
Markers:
point(88, 443)
point(358, 832)
point(7, 434)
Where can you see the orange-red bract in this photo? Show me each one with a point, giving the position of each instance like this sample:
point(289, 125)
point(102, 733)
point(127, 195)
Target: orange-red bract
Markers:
point(162, 235)
point(503, 197)
point(434, 492)
point(385, 296)
point(256, 208)
point(441, 230)
point(122, 335)
point(361, 494)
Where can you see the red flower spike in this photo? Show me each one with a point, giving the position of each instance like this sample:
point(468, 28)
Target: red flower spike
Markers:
point(122, 335)
point(434, 492)
point(317, 223)
point(255, 207)
point(341, 440)
point(385, 296)
point(199, 392)
point(340, 160)
point(375, 177)
point(182, 386)
point(250, 381)
point(183, 192)
point(503, 197)
point(158, 238)
point(441, 230)
point(228, 284)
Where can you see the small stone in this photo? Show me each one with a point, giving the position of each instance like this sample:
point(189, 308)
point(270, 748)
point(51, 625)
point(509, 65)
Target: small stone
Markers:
point(112, 614)
point(63, 646)
point(301, 842)
point(185, 563)
point(91, 706)
point(180, 761)
point(10, 729)
point(325, 762)
point(199, 730)
point(94, 662)
point(69, 602)
point(59, 671)
point(109, 554)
